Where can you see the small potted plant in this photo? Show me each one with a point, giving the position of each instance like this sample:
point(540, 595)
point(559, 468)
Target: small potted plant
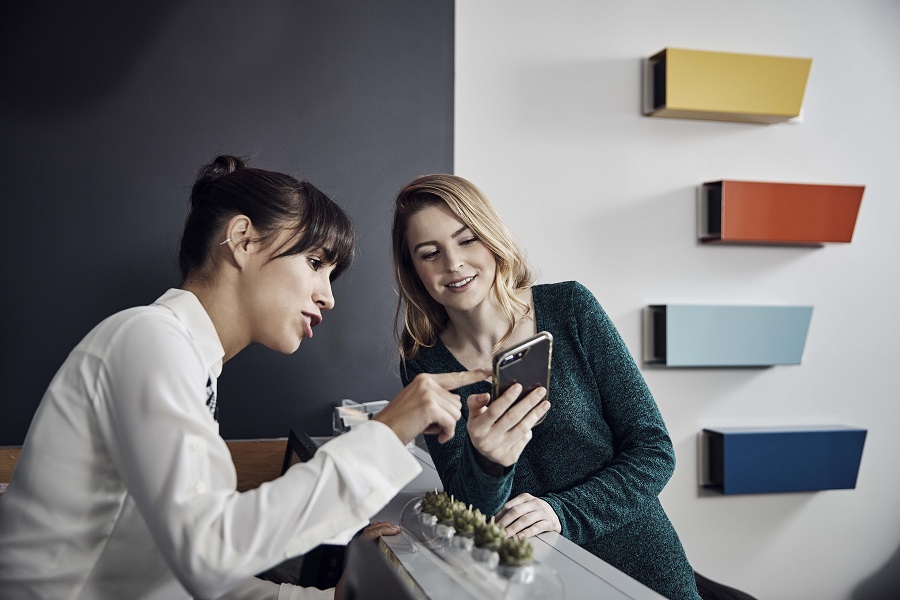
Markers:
point(516, 559)
point(465, 522)
point(446, 514)
point(428, 508)
point(488, 538)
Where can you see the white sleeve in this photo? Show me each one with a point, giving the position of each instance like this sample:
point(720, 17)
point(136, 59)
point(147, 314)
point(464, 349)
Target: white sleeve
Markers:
point(258, 589)
point(158, 431)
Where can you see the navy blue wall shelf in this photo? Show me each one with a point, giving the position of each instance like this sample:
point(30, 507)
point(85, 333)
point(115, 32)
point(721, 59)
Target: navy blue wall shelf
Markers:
point(763, 460)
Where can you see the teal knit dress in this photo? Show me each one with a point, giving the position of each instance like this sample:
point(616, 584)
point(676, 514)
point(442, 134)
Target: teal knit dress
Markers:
point(600, 458)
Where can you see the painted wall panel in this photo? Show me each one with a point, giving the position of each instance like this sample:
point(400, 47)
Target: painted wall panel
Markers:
point(548, 124)
point(102, 143)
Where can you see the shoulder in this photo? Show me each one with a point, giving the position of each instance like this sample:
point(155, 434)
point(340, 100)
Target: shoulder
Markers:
point(565, 294)
point(145, 334)
point(426, 361)
point(144, 321)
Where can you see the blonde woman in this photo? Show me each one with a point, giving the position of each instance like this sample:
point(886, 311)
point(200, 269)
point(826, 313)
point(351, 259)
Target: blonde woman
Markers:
point(593, 469)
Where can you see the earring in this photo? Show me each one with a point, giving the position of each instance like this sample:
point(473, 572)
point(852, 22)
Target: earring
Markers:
point(225, 242)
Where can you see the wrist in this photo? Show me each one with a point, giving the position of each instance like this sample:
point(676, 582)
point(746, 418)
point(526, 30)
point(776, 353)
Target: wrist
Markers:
point(494, 469)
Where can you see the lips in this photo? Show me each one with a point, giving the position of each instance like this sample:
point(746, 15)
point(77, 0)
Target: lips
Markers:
point(310, 321)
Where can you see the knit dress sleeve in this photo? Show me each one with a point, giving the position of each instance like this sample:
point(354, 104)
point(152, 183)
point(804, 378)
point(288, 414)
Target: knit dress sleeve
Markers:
point(455, 460)
point(627, 486)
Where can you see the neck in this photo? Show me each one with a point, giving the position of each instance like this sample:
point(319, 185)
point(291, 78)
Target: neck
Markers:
point(222, 306)
point(478, 331)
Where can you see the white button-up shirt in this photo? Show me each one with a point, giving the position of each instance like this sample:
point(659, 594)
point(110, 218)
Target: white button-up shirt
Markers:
point(124, 488)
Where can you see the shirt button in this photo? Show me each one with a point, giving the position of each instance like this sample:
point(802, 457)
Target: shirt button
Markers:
point(200, 487)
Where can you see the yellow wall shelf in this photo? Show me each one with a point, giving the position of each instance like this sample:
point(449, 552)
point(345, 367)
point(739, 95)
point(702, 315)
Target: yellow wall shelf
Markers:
point(724, 86)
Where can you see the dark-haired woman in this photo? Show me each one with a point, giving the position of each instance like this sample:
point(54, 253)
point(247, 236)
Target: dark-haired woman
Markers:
point(124, 488)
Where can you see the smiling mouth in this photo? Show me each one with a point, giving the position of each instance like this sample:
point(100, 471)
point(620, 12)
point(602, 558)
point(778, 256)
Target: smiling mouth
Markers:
point(461, 282)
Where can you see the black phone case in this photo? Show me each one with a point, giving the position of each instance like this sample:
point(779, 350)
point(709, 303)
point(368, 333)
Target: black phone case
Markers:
point(527, 363)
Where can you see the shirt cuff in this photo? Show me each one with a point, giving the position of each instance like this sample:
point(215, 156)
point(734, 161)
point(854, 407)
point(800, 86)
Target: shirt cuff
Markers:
point(295, 592)
point(488, 466)
point(374, 466)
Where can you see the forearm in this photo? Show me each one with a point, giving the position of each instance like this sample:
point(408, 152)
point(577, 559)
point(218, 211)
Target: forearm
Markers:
point(615, 495)
point(213, 537)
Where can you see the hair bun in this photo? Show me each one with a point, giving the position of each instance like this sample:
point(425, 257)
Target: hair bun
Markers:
point(223, 165)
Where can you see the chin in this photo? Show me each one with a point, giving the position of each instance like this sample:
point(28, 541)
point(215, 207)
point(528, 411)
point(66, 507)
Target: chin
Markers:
point(285, 346)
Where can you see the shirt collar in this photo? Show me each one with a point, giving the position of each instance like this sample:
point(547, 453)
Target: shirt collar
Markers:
point(193, 316)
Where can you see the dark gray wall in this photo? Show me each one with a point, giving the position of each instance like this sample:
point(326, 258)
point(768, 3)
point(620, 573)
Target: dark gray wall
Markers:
point(107, 109)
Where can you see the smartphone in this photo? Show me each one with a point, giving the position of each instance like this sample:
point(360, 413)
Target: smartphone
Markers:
point(527, 363)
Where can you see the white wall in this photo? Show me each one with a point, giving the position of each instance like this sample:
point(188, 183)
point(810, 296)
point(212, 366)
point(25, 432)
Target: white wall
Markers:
point(548, 124)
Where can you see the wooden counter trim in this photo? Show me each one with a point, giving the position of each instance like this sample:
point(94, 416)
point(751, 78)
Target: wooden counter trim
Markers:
point(9, 455)
point(256, 461)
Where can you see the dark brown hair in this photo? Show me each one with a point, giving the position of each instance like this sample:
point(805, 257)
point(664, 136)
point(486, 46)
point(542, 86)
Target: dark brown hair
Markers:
point(274, 202)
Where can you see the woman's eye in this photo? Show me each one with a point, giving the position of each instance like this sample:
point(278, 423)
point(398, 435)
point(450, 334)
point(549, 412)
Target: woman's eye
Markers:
point(468, 241)
point(429, 255)
point(315, 263)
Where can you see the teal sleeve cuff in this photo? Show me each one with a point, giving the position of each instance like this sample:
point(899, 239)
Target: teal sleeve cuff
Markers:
point(488, 492)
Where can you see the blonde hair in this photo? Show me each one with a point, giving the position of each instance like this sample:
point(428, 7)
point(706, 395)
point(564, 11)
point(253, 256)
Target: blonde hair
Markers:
point(422, 317)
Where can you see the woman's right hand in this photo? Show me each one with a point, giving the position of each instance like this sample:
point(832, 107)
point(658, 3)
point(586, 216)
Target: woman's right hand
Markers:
point(501, 429)
point(427, 405)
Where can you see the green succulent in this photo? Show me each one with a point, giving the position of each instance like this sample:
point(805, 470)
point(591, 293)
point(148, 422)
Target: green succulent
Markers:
point(515, 551)
point(466, 520)
point(434, 501)
point(489, 535)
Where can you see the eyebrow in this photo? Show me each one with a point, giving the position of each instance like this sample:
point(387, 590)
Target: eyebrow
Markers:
point(454, 235)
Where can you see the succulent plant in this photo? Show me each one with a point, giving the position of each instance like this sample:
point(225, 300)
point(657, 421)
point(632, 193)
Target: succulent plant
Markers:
point(489, 535)
point(466, 520)
point(442, 506)
point(432, 502)
point(515, 551)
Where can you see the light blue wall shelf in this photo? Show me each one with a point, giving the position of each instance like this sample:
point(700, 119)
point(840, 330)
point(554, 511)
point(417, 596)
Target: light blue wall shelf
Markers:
point(771, 460)
point(696, 335)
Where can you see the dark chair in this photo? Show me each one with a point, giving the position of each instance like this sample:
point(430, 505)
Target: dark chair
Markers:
point(711, 590)
point(322, 566)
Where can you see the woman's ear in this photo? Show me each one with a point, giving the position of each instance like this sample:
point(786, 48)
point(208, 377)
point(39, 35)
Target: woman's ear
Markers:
point(239, 235)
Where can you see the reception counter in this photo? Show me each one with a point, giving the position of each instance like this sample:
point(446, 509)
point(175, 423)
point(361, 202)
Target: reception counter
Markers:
point(582, 575)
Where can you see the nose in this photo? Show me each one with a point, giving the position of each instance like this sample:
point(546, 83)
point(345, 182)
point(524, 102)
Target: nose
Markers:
point(452, 262)
point(323, 296)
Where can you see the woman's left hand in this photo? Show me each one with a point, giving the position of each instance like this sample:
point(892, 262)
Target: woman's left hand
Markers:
point(526, 516)
point(378, 529)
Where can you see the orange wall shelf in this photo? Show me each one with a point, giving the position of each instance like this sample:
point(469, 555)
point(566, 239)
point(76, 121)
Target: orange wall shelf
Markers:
point(777, 213)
